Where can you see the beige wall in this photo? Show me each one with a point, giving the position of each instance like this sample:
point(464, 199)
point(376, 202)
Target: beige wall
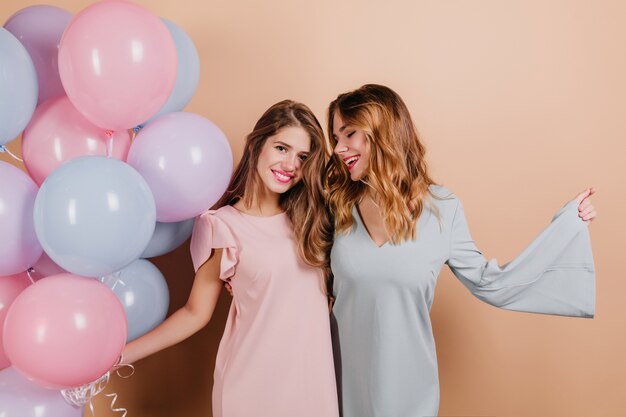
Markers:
point(521, 105)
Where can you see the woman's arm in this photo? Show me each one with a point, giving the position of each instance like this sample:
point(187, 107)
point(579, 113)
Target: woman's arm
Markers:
point(185, 321)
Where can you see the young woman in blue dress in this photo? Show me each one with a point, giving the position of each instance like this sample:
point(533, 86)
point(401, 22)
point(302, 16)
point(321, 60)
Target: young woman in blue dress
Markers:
point(395, 229)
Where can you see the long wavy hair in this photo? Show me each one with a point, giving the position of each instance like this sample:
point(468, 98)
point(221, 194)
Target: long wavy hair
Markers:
point(397, 171)
point(303, 203)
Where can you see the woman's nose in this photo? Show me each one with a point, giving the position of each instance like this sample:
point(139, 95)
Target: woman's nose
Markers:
point(340, 147)
point(289, 163)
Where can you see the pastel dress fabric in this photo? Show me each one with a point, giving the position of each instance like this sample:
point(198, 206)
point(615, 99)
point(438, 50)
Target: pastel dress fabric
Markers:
point(384, 295)
point(275, 358)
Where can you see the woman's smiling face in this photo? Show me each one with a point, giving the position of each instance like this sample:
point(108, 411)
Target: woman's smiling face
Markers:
point(280, 162)
point(352, 147)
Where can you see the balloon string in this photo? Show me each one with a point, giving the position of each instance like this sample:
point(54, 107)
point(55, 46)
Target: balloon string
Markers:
point(118, 281)
point(28, 272)
point(83, 395)
point(120, 365)
point(110, 148)
point(5, 149)
point(116, 410)
point(109, 134)
point(115, 275)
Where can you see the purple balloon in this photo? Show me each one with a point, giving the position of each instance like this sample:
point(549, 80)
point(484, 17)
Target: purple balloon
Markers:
point(39, 29)
point(187, 162)
point(19, 247)
point(21, 398)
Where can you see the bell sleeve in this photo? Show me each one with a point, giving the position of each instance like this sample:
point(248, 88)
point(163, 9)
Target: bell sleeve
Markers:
point(555, 274)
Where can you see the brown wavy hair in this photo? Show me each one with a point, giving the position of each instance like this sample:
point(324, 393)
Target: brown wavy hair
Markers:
point(397, 171)
point(303, 203)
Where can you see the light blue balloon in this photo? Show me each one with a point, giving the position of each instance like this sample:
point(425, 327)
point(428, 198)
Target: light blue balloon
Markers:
point(187, 75)
point(167, 237)
point(18, 87)
point(143, 292)
point(94, 215)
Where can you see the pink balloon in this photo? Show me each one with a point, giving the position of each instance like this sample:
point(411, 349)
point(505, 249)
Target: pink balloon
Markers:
point(64, 331)
point(19, 247)
point(58, 133)
point(39, 29)
point(10, 287)
point(118, 63)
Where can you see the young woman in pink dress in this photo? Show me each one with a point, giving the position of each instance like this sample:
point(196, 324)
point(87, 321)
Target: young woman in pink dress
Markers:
point(269, 239)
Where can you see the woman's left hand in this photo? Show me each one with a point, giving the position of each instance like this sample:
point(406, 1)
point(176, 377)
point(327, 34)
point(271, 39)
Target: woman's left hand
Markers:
point(586, 211)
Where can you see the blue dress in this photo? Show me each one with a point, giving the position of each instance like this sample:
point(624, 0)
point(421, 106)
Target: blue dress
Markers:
point(384, 295)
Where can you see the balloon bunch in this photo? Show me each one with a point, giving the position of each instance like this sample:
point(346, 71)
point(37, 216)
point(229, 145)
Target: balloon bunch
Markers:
point(116, 173)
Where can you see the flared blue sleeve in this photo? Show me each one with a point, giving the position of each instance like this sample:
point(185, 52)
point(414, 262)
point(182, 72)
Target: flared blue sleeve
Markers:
point(555, 274)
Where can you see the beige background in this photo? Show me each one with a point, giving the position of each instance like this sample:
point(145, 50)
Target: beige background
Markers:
point(520, 104)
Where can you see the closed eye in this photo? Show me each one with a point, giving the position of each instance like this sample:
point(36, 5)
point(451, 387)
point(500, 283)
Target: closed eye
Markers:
point(351, 133)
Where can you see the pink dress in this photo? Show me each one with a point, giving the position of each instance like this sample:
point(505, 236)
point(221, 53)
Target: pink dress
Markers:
point(275, 357)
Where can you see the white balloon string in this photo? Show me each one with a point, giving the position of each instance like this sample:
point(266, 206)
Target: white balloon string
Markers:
point(116, 410)
point(109, 134)
point(5, 149)
point(120, 282)
point(117, 367)
point(109, 277)
point(121, 365)
point(110, 148)
point(83, 395)
point(28, 272)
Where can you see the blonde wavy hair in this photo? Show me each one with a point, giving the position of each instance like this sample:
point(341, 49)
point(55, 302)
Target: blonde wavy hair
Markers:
point(397, 171)
point(303, 203)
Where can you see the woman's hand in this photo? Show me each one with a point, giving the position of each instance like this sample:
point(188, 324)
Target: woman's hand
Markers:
point(586, 211)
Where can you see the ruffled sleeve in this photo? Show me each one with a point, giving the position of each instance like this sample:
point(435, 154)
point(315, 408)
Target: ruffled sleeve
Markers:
point(555, 274)
point(210, 232)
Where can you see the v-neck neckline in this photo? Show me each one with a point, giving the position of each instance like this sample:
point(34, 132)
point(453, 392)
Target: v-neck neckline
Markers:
point(366, 230)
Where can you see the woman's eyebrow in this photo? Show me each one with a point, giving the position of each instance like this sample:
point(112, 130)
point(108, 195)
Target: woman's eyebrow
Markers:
point(283, 144)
